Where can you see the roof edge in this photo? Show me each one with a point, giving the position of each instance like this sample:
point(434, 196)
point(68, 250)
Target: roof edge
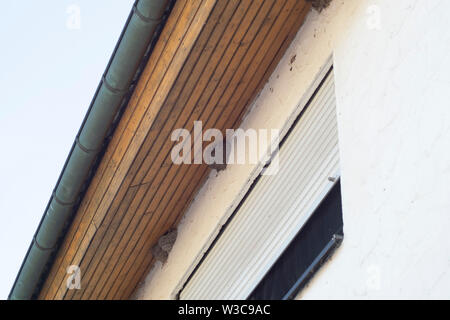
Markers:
point(132, 51)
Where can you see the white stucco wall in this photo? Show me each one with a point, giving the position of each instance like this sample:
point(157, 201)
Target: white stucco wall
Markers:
point(392, 78)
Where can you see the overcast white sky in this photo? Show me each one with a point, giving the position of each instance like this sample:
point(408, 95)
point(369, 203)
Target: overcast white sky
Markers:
point(49, 72)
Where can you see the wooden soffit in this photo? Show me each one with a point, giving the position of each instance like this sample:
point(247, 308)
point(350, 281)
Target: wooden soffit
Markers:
point(212, 58)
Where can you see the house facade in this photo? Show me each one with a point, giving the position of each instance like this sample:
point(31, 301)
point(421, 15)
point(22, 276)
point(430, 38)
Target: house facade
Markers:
point(342, 108)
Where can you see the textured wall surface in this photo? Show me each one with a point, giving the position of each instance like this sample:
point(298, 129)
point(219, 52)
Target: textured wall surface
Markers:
point(391, 68)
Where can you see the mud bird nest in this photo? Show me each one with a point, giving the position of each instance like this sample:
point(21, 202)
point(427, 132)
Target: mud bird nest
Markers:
point(319, 5)
point(162, 248)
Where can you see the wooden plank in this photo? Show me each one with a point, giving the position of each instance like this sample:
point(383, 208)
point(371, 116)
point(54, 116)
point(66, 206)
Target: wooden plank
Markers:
point(109, 223)
point(192, 89)
point(299, 14)
point(244, 94)
point(137, 273)
point(170, 61)
point(137, 281)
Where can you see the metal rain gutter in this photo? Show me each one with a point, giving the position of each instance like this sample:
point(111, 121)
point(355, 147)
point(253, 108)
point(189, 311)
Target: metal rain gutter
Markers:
point(143, 25)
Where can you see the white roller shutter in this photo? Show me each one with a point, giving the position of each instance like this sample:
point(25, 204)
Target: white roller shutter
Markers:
point(276, 208)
